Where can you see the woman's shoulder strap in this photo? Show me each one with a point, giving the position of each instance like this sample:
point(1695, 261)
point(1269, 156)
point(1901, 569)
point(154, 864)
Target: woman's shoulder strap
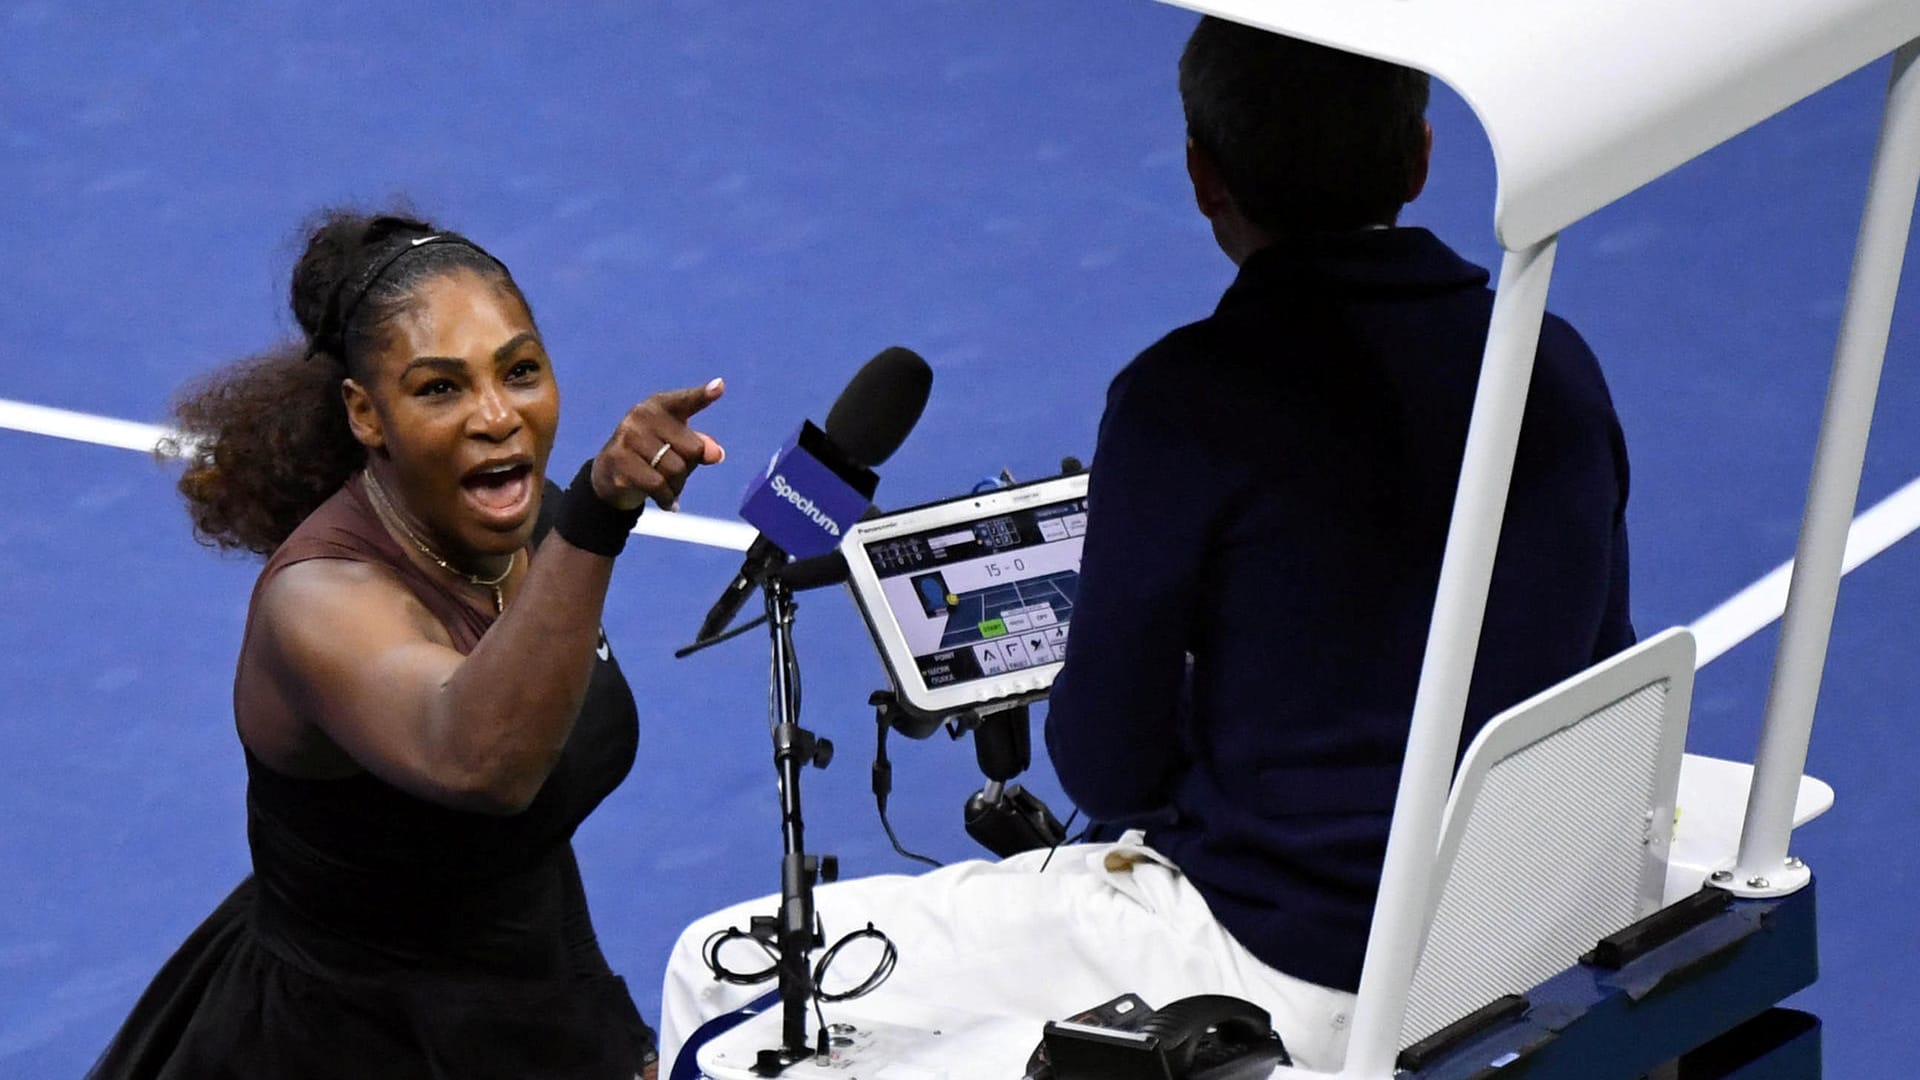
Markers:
point(343, 527)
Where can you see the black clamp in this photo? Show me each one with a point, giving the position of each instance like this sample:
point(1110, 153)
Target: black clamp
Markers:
point(794, 741)
point(1004, 817)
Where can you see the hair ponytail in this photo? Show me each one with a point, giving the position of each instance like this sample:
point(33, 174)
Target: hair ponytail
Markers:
point(266, 442)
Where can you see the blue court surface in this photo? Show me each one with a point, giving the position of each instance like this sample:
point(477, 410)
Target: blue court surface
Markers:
point(773, 192)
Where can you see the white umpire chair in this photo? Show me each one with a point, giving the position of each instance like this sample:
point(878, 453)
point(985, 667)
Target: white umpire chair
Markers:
point(1556, 832)
point(1584, 103)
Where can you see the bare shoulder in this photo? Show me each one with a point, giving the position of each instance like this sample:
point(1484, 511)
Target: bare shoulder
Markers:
point(353, 603)
point(318, 631)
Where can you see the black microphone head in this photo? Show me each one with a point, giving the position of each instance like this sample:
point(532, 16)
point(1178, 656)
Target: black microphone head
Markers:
point(879, 407)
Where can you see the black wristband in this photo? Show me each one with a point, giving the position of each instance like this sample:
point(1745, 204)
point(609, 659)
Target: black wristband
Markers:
point(586, 521)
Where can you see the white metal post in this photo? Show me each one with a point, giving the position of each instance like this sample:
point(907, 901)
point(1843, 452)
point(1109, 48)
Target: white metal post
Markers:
point(1453, 638)
point(1762, 867)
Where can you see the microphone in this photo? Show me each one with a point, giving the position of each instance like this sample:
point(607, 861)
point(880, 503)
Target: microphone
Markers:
point(822, 480)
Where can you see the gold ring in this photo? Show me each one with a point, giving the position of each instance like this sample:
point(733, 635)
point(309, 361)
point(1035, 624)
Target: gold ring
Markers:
point(654, 461)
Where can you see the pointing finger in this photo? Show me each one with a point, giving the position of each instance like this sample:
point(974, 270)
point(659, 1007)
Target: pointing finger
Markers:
point(684, 403)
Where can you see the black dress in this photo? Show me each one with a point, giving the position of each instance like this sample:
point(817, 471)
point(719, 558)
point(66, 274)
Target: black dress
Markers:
point(381, 935)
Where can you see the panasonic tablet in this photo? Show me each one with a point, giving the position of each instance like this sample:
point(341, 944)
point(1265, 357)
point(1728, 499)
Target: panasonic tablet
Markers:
point(971, 599)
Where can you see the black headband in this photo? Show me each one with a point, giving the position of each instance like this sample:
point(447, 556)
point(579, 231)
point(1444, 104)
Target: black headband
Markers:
point(344, 302)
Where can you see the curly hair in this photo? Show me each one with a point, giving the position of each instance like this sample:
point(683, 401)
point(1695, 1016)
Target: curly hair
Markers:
point(266, 439)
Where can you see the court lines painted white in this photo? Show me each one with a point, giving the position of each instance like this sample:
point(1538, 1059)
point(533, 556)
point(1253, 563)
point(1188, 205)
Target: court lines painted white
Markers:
point(1741, 616)
point(80, 427)
point(1751, 609)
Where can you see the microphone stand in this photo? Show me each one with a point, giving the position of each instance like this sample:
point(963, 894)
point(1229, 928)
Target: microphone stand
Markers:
point(792, 931)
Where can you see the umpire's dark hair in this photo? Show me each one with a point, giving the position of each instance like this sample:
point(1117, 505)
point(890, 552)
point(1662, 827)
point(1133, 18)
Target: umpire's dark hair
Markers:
point(1306, 138)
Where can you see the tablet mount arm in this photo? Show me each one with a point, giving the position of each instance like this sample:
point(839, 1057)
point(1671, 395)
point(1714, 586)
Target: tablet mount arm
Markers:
point(1002, 817)
point(1005, 818)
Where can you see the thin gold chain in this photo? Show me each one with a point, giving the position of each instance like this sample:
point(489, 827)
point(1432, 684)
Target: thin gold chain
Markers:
point(384, 507)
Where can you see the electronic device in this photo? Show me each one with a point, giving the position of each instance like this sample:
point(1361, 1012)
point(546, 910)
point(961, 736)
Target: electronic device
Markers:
point(1205, 1037)
point(970, 600)
point(1124, 1013)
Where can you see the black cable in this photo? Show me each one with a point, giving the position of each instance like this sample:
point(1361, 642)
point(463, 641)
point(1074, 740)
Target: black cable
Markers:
point(1056, 844)
point(882, 970)
point(688, 650)
point(883, 787)
point(792, 670)
point(710, 954)
point(793, 663)
point(914, 855)
point(822, 1045)
point(889, 959)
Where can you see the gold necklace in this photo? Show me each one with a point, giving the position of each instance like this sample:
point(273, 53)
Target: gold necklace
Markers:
point(384, 507)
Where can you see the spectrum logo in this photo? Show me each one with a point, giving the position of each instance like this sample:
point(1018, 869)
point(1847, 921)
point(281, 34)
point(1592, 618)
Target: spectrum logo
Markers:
point(803, 504)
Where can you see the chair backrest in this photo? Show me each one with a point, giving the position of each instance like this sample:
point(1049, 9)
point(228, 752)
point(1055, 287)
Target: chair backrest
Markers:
point(1556, 832)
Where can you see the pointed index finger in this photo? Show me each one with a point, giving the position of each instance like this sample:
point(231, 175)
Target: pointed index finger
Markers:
point(682, 404)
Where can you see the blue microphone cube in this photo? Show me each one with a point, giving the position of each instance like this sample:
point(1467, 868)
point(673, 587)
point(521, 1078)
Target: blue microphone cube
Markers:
point(809, 495)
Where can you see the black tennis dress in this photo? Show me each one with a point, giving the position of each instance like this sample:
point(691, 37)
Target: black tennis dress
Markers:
point(381, 935)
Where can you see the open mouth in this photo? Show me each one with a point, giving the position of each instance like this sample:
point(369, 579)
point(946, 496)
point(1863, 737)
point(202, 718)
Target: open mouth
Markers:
point(500, 490)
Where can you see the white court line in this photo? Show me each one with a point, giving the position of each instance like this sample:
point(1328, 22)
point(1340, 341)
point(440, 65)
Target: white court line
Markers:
point(1746, 613)
point(128, 435)
point(694, 529)
point(1751, 609)
point(80, 427)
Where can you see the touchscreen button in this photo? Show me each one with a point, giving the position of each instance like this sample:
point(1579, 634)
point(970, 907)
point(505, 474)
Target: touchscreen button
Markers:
point(1016, 653)
point(1038, 649)
point(991, 662)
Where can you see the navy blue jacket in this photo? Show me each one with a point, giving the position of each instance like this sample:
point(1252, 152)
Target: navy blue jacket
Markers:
point(1269, 502)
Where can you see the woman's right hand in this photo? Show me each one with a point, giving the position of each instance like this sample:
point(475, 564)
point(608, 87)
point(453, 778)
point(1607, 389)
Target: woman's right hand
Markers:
point(653, 450)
